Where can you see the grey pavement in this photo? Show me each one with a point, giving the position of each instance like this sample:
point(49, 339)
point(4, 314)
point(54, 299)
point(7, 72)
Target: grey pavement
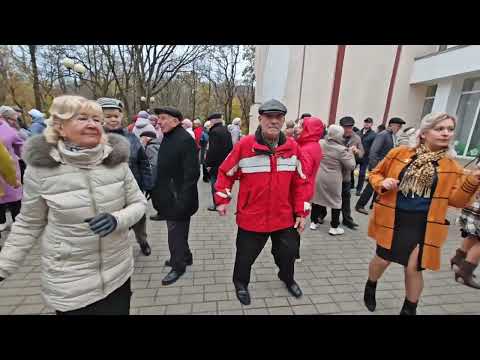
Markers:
point(332, 275)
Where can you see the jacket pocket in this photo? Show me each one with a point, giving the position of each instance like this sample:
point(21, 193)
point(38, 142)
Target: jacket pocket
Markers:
point(436, 233)
point(247, 200)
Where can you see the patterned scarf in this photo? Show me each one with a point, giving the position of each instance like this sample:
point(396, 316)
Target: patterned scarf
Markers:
point(418, 178)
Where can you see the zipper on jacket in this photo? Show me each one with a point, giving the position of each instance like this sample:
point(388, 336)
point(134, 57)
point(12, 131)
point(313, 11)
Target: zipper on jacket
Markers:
point(95, 211)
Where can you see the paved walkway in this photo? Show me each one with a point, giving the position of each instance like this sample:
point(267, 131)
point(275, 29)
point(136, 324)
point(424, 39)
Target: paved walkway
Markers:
point(332, 276)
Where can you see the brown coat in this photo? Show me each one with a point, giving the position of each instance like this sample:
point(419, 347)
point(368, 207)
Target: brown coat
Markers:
point(453, 189)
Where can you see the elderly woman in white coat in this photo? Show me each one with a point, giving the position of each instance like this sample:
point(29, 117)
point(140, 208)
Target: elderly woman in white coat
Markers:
point(80, 199)
point(338, 161)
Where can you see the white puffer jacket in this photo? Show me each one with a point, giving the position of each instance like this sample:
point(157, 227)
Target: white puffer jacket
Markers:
point(78, 267)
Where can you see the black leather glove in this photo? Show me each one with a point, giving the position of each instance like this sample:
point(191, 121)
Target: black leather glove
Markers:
point(102, 224)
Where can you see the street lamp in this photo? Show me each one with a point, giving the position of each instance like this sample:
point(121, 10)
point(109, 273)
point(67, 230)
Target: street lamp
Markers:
point(152, 99)
point(74, 70)
point(143, 99)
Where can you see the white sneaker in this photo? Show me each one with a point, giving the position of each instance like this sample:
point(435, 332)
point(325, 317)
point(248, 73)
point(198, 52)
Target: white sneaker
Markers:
point(313, 226)
point(3, 226)
point(336, 231)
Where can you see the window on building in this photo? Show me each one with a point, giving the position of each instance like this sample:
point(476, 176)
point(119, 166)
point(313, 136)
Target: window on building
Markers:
point(467, 134)
point(429, 99)
point(442, 47)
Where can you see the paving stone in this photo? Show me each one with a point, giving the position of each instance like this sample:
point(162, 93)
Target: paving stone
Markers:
point(191, 298)
point(280, 311)
point(181, 309)
point(327, 308)
point(216, 296)
point(28, 309)
point(152, 310)
point(207, 306)
point(304, 310)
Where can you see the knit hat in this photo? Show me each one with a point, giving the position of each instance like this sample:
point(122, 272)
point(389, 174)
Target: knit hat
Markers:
point(34, 113)
point(143, 114)
point(150, 134)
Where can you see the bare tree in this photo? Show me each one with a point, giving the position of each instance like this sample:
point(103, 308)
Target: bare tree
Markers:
point(246, 92)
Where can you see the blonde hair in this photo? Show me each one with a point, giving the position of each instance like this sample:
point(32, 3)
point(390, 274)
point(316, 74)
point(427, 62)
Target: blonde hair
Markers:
point(429, 121)
point(64, 108)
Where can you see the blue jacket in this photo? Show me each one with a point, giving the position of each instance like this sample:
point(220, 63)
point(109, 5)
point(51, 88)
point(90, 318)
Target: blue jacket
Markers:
point(138, 161)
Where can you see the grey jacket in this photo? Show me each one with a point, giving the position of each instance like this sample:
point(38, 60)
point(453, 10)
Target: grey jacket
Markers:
point(354, 140)
point(78, 267)
point(382, 144)
point(337, 161)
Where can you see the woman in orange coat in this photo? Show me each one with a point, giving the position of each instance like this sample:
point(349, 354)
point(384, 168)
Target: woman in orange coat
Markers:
point(415, 186)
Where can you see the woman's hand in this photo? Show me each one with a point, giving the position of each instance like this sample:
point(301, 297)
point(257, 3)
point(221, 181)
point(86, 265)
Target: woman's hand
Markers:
point(102, 224)
point(390, 184)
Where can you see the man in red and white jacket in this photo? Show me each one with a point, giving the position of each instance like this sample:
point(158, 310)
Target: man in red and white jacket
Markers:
point(271, 200)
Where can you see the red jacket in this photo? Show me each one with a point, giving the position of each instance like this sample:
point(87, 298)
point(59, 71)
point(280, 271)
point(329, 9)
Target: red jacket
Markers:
point(198, 134)
point(272, 187)
point(308, 141)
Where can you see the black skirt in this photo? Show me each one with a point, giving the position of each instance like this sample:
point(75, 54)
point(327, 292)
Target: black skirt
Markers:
point(409, 231)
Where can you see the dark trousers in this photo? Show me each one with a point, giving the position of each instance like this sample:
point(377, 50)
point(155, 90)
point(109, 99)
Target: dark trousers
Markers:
point(346, 209)
point(178, 244)
point(117, 303)
point(14, 208)
point(213, 180)
point(361, 175)
point(365, 197)
point(285, 245)
point(322, 213)
point(140, 230)
point(23, 166)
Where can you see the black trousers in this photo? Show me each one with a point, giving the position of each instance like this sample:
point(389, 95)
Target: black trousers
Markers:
point(213, 180)
point(285, 247)
point(140, 230)
point(322, 213)
point(23, 167)
point(117, 303)
point(346, 208)
point(178, 244)
point(14, 208)
point(365, 197)
point(361, 175)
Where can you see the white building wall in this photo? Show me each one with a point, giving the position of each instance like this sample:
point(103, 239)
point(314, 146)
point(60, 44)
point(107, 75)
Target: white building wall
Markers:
point(365, 80)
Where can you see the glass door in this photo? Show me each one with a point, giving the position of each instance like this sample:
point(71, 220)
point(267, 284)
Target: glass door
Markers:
point(467, 134)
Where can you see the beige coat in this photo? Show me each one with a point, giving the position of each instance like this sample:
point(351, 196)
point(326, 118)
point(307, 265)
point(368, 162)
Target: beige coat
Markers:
point(78, 267)
point(337, 160)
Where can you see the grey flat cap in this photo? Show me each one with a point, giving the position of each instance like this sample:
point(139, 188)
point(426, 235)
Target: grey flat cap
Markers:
point(109, 103)
point(272, 106)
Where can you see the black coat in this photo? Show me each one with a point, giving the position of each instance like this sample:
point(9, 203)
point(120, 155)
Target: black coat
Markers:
point(175, 193)
point(219, 146)
point(382, 144)
point(138, 160)
point(367, 141)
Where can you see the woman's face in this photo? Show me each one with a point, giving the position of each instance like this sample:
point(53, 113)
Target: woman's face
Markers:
point(440, 135)
point(84, 130)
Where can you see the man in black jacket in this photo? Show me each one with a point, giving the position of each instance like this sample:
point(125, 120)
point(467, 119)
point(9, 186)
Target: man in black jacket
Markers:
point(367, 135)
point(219, 146)
point(383, 143)
point(175, 193)
point(138, 161)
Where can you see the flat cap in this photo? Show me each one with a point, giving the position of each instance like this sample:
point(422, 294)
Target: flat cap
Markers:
point(214, 116)
point(169, 111)
point(347, 121)
point(110, 103)
point(396, 120)
point(272, 106)
point(368, 120)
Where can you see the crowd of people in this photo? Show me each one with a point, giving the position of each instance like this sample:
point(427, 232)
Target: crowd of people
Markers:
point(80, 180)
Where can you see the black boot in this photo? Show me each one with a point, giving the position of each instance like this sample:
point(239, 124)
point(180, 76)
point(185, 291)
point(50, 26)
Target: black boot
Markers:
point(145, 248)
point(409, 308)
point(369, 295)
point(242, 294)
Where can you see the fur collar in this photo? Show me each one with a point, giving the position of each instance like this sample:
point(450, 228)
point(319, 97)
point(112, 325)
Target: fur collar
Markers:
point(36, 151)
